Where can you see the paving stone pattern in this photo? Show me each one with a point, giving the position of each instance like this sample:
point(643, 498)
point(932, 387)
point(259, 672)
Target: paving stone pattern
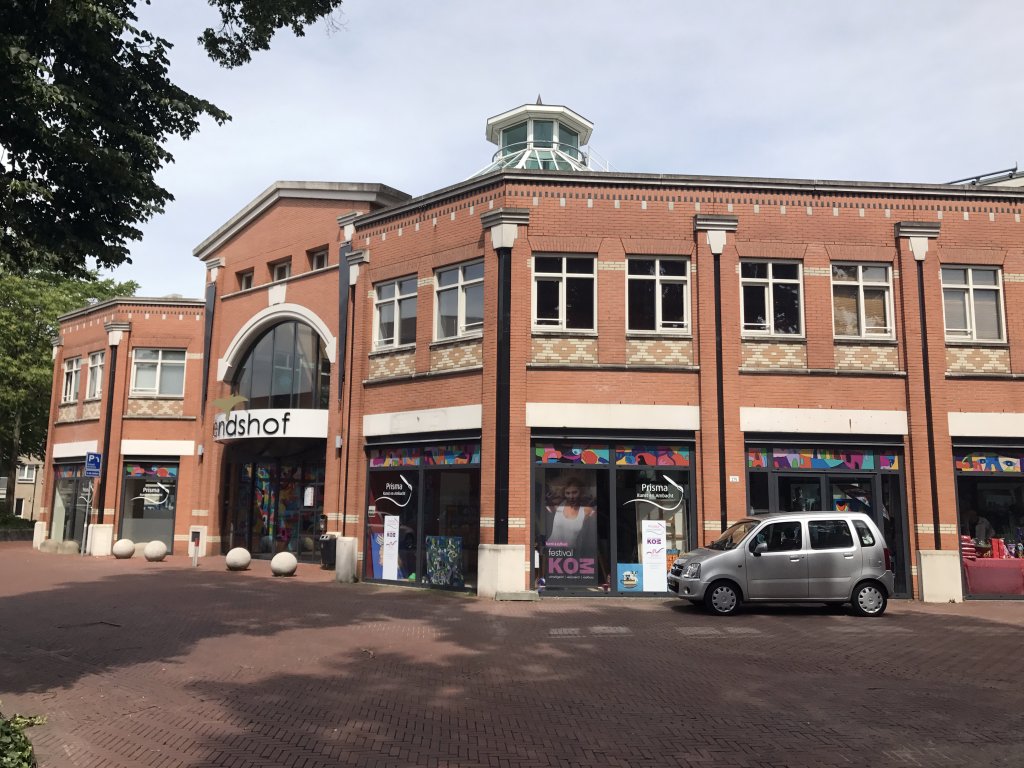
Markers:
point(163, 665)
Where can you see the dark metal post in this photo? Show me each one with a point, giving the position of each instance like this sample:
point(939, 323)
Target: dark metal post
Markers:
point(503, 373)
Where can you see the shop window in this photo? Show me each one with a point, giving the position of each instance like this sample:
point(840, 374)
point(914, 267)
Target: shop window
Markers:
point(459, 293)
point(317, 259)
point(972, 300)
point(862, 301)
point(771, 298)
point(564, 293)
point(286, 367)
point(244, 280)
point(158, 372)
point(26, 473)
point(94, 385)
point(757, 489)
point(280, 270)
point(71, 372)
point(395, 312)
point(658, 295)
point(150, 493)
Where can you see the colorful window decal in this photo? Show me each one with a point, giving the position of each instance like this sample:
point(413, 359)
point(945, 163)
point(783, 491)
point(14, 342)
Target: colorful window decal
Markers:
point(63, 471)
point(821, 458)
point(757, 458)
point(150, 470)
point(406, 456)
point(652, 455)
point(451, 455)
point(568, 453)
point(987, 461)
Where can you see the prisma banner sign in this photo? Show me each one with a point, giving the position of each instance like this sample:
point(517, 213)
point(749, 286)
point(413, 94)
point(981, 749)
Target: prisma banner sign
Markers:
point(269, 422)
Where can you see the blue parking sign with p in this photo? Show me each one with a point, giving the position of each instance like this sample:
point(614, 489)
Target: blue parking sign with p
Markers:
point(93, 464)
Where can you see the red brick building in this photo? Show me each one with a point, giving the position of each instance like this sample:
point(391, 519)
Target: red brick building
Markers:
point(447, 382)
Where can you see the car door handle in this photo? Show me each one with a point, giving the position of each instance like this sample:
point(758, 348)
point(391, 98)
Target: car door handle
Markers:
point(795, 559)
point(848, 555)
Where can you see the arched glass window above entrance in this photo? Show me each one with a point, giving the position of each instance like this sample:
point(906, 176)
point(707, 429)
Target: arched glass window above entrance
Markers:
point(286, 367)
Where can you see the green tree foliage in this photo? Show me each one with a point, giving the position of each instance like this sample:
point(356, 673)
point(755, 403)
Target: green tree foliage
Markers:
point(29, 308)
point(86, 107)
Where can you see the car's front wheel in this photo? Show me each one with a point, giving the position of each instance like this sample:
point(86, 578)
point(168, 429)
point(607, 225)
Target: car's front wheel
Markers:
point(869, 599)
point(722, 598)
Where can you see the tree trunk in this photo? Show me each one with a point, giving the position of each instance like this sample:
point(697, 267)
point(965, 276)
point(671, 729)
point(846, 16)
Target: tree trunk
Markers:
point(12, 468)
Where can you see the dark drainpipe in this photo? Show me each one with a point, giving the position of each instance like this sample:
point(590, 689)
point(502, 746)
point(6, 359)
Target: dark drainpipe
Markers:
point(716, 228)
point(919, 233)
point(504, 228)
point(115, 332)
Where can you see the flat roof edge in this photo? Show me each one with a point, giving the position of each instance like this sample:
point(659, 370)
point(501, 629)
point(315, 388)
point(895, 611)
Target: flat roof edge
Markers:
point(380, 194)
point(148, 301)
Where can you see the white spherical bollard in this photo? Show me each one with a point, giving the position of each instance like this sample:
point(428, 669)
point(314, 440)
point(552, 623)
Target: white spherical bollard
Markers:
point(155, 551)
point(123, 549)
point(238, 559)
point(70, 547)
point(284, 564)
point(49, 545)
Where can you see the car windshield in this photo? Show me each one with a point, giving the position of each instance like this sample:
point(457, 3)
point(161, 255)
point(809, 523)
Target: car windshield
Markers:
point(734, 534)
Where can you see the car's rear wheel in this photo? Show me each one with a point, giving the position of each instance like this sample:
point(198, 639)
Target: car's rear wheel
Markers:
point(869, 599)
point(722, 598)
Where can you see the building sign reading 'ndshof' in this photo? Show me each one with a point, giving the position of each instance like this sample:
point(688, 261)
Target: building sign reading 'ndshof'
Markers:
point(271, 422)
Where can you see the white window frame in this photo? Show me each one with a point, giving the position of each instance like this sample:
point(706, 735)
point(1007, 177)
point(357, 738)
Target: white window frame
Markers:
point(860, 283)
point(72, 368)
point(280, 271)
point(459, 287)
point(94, 383)
point(160, 363)
point(27, 473)
point(318, 259)
point(245, 280)
point(392, 343)
point(561, 277)
point(659, 279)
point(969, 289)
point(768, 283)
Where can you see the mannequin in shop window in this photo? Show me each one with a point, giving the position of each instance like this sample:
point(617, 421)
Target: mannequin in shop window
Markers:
point(978, 527)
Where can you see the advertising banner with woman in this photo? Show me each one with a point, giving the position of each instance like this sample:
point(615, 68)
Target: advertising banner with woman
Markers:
point(570, 528)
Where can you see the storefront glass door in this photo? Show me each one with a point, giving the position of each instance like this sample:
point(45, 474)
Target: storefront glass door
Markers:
point(799, 493)
point(72, 501)
point(275, 507)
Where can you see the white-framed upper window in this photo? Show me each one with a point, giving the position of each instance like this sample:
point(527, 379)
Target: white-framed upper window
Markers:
point(771, 298)
point(244, 280)
point(282, 270)
point(564, 293)
point(459, 298)
point(71, 370)
point(972, 302)
point(26, 473)
point(658, 294)
point(862, 301)
point(395, 313)
point(94, 384)
point(158, 372)
point(317, 259)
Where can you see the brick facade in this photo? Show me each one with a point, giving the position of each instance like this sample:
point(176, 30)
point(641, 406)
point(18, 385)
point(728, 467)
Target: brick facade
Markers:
point(808, 377)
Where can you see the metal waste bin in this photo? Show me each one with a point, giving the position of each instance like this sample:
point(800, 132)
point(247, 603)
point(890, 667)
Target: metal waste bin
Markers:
point(328, 550)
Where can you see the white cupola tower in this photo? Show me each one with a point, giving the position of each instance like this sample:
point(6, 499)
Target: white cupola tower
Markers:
point(540, 136)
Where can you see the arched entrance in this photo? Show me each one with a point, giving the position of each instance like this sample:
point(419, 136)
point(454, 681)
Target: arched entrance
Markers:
point(275, 428)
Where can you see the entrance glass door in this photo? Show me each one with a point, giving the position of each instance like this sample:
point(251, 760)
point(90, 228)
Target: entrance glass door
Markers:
point(275, 507)
point(800, 493)
point(574, 527)
point(72, 501)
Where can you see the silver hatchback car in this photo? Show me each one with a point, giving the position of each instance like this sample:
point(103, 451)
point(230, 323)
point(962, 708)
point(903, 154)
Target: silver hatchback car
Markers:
point(822, 557)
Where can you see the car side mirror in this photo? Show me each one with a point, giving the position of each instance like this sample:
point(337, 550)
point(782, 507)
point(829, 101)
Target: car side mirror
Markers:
point(759, 548)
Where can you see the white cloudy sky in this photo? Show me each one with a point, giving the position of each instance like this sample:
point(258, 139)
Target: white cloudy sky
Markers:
point(398, 93)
